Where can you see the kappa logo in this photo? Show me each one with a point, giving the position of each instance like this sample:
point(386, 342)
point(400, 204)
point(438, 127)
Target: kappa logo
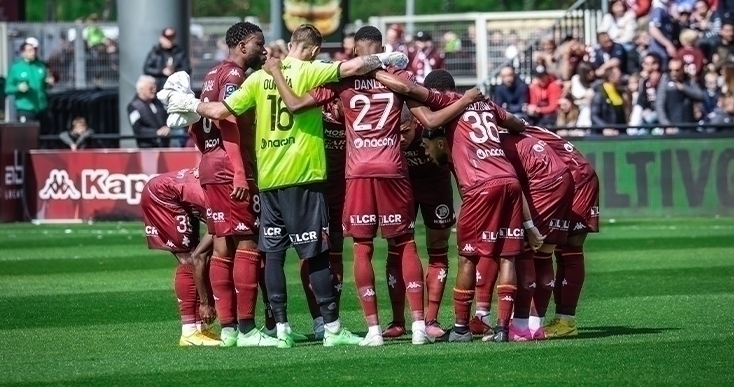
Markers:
point(185, 241)
point(533, 285)
point(369, 292)
point(59, 187)
point(478, 276)
point(442, 211)
point(170, 244)
point(468, 248)
point(235, 73)
point(241, 227)
point(413, 285)
point(441, 275)
point(391, 281)
point(508, 298)
point(579, 226)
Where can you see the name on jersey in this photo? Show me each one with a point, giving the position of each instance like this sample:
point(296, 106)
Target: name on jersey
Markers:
point(375, 142)
point(372, 219)
point(269, 84)
point(485, 153)
point(481, 106)
point(368, 84)
point(208, 86)
point(277, 143)
point(503, 233)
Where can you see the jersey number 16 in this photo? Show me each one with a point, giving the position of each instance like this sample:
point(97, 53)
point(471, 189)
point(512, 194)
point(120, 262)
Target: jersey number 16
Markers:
point(277, 110)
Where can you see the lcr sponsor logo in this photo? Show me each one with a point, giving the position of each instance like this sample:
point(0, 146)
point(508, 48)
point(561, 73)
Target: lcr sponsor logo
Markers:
point(390, 220)
point(594, 211)
point(151, 231)
point(306, 237)
point(272, 231)
point(214, 216)
point(485, 153)
point(374, 142)
point(503, 233)
point(277, 143)
point(96, 184)
point(559, 224)
point(366, 220)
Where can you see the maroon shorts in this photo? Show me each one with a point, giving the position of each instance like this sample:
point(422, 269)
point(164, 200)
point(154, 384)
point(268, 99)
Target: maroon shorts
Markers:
point(434, 196)
point(550, 207)
point(226, 217)
point(585, 210)
point(373, 202)
point(168, 226)
point(490, 220)
point(336, 188)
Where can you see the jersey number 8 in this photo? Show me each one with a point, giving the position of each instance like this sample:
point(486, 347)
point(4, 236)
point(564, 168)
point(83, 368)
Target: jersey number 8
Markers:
point(277, 110)
point(484, 128)
point(366, 104)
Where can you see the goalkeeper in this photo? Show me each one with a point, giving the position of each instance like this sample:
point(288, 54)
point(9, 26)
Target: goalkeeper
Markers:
point(291, 170)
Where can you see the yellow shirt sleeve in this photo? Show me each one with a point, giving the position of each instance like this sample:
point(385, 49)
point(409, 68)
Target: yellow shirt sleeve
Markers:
point(243, 99)
point(317, 73)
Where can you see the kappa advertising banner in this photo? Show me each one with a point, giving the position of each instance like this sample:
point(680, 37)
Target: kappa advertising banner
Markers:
point(663, 177)
point(329, 16)
point(97, 184)
point(15, 141)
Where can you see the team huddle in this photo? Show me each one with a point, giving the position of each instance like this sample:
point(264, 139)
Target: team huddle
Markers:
point(303, 153)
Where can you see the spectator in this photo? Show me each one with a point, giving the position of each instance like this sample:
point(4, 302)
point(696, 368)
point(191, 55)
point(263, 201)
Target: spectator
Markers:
point(569, 55)
point(568, 114)
point(347, 51)
point(661, 31)
point(582, 92)
point(28, 80)
point(608, 54)
point(79, 136)
point(423, 57)
point(691, 56)
point(724, 47)
point(727, 78)
point(723, 115)
point(148, 116)
point(451, 42)
point(677, 94)
point(641, 8)
point(544, 94)
point(711, 93)
point(643, 111)
point(395, 41)
point(633, 87)
point(703, 20)
point(92, 33)
point(608, 107)
point(546, 56)
point(512, 52)
point(512, 93)
point(620, 24)
point(166, 58)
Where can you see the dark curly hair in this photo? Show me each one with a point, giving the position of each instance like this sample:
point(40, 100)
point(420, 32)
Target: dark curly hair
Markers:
point(440, 80)
point(368, 33)
point(239, 32)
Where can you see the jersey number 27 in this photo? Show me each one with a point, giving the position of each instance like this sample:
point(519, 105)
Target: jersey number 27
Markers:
point(366, 104)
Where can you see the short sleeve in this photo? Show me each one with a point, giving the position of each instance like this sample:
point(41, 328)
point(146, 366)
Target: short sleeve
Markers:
point(437, 100)
point(318, 73)
point(230, 82)
point(324, 94)
point(407, 75)
point(242, 99)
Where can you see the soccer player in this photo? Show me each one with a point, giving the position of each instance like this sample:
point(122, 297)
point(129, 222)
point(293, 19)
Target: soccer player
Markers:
point(570, 269)
point(378, 193)
point(291, 164)
point(227, 175)
point(433, 194)
point(172, 205)
point(493, 206)
point(547, 184)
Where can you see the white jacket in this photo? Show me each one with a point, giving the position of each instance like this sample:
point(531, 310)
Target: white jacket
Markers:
point(622, 30)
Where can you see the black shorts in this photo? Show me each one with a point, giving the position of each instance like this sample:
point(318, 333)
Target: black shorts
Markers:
point(294, 216)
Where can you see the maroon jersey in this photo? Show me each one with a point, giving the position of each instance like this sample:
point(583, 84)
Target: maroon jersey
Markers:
point(419, 163)
point(178, 189)
point(423, 62)
point(222, 157)
point(335, 140)
point(535, 164)
point(474, 141)
point(693, 60)
point(372, 119)
point(581, 170)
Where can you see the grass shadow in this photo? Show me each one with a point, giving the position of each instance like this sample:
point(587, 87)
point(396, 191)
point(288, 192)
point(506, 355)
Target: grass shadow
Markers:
point(611, 331)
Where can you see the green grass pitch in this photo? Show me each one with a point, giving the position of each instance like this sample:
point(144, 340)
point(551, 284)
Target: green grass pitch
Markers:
point(89, 305)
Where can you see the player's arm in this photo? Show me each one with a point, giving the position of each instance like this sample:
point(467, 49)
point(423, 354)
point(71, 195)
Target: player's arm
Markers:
point(512, 123)
point(534, 237)
point(297, 104)
point(231, 143)
point(402, 86)
point(201, 255)
point(433, 119)
point(362, 65)
point(242, 100)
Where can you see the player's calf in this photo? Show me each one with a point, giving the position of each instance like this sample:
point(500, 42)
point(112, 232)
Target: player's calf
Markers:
point(245, 273)
point(436, 275)
point(463, 297)
point(506, 288)
point(525, 270)
point(395, 290)
point(486, 278)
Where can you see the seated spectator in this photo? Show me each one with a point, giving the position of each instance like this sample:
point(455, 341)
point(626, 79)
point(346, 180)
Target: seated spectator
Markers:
point(643, 112)
point(620, 24)
point(148, 116)
point(726, 80)
point(582, 92)
point(347, 51)
point(512, 93)
point(546, 56)
point(691, 56)
point(544, 94)
point(79, 136)
point(569, 55)
point(722, 116)
point(568, 114)
point(724, 47)
point(633, 87)
point(677, 94)
point(710, 94)
point(608, 54)
point(166, 58)
point(661, 29)
point(608, 107)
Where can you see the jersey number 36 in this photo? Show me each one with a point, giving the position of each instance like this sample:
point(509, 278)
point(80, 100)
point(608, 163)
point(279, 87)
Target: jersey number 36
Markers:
point(483, 127)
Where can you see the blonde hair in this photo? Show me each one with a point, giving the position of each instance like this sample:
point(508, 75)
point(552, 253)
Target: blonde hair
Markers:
point(688, 37)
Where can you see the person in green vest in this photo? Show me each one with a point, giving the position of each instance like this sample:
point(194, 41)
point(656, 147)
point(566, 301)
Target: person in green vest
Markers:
point(28, 81)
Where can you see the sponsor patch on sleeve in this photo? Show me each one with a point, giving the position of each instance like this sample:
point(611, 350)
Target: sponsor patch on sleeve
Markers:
point(229, 88)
